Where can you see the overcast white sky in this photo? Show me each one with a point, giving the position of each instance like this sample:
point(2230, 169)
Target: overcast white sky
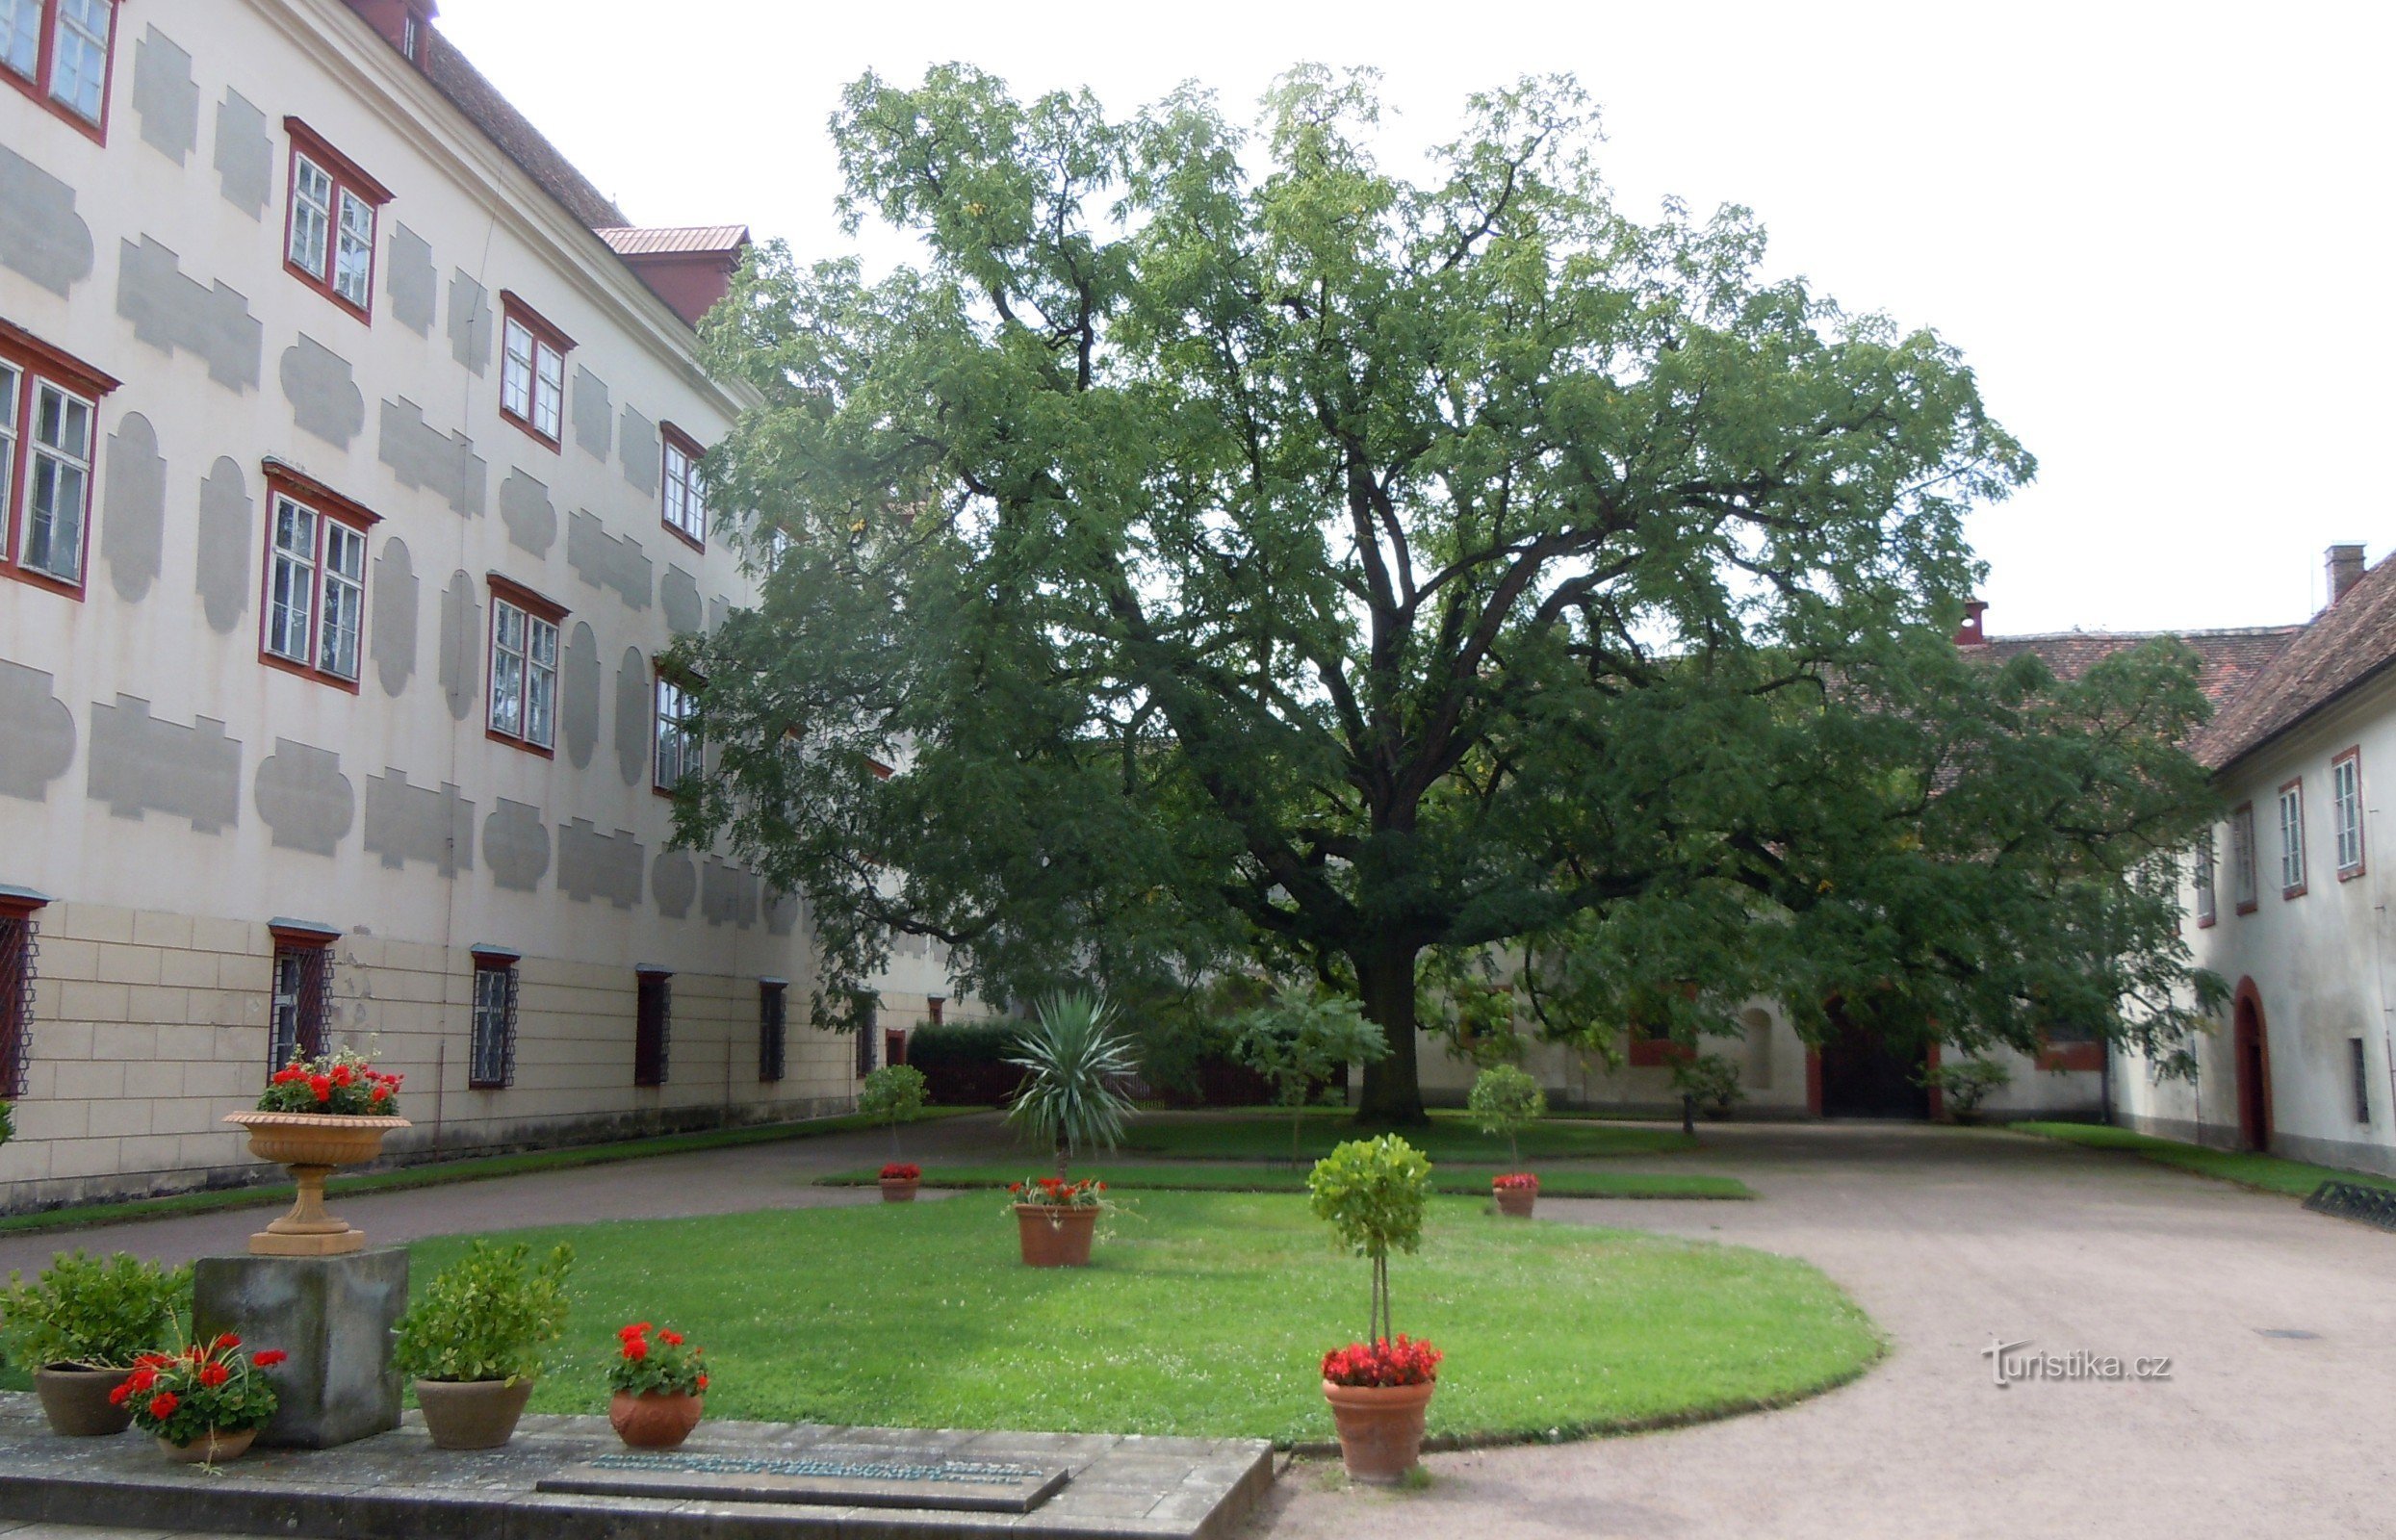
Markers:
point(2159, 233)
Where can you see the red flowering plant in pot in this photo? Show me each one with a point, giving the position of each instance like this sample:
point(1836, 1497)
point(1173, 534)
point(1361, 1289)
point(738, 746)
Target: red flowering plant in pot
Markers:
point(1372, 1192)
point(659, 1387)
point(1515, 1192)
point(899, 1181)
point(203, 1404)
point(317, 1115)
point(1075, 1066)
point(1056, 1219)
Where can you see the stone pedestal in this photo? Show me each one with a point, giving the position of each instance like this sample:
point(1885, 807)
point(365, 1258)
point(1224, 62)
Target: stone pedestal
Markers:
point(333, 1316)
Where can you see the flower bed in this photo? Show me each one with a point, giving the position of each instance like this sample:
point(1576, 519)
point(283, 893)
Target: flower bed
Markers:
point(342, 1083)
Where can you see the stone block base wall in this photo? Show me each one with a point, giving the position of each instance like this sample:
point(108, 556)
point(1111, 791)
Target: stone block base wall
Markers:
point(147, 1028)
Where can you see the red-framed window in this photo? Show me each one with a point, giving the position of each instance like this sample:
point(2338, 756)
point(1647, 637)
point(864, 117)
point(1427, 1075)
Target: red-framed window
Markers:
point(2292, 839)
point(523, 666)
point(18, 948)
point(685, 500)
point(934, 1007)
point(677, 742)
point(653, 1027)
point(490, 1046)
point(2208, 900)
point(301, 997)
point(49, 447)
point(63, 54)
point(2345, 812)
point(532, 369)
point(329, 228)
point(2242, 884)
point(313, 620)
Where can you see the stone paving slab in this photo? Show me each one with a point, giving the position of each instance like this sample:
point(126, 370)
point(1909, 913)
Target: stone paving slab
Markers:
point(396, 1486)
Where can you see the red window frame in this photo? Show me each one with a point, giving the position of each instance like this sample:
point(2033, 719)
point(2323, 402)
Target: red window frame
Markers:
point(2303, 857)
point(507, 591)
point(662, 680)
point(312, 952)
point(674, 441)
point(284, 483)
point(497, 961)
point(346, 177)
point(2244, 870)
point(36, 363)
point(2353, 755)
point(45, 61)
point(513, 311)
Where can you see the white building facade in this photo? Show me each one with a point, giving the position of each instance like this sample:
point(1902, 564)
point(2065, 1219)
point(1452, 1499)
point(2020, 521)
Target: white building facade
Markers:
point(350, 441)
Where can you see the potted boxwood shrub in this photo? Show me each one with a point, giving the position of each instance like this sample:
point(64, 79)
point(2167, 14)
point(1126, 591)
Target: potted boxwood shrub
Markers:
point(899, 1181)
point(205, 1403)
point(1373, 1191)
point(80, 1327)
point(659, 1387)
point(314, 1116)
point(1073, 1061)
point(473, 1344)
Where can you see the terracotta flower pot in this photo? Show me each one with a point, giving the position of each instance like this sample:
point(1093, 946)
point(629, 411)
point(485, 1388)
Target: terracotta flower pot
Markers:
point(75, 1400)
point(310, 1146)
point(212, 1448)
point(655, 1419)
point(900, 1189)
point(1514, 1202)
point(472, 1414)
point(1054, 1236)
point(1380, 1427)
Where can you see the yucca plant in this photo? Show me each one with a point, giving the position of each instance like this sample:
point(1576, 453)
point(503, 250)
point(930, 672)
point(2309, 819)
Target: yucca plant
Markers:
point(1074, 1057)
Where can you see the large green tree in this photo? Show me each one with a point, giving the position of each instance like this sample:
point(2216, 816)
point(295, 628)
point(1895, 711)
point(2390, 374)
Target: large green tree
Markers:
point(1215, 545)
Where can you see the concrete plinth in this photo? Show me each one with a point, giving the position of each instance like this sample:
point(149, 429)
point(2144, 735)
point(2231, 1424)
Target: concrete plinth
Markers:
point(333, 1316)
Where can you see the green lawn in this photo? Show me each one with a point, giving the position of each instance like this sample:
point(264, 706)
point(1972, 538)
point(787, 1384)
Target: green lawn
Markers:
point(2270, 1174)
point(1223, 1176)
point(1264, 1136)
point(1206, 1314)
point(277, 1193)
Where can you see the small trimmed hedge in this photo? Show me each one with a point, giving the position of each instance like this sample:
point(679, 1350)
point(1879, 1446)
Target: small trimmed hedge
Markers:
point(966, 1065)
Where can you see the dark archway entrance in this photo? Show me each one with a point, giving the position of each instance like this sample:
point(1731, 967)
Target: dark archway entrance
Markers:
point(2250, 1053)
point(1865, 1075)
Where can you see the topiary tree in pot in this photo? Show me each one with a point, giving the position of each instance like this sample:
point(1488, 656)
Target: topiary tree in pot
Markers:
point(1504, 1101)
point(1373, 1193)
point(473, 1342)
point(895, 1094)
point(82, 1325)
point(1074, 1061)
point(1299, 1040)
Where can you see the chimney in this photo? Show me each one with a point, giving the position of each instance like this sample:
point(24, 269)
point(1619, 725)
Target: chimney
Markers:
point(2345, 570)
point(1969, 633)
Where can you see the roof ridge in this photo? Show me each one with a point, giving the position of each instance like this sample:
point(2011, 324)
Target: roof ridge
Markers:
point(2346, 644)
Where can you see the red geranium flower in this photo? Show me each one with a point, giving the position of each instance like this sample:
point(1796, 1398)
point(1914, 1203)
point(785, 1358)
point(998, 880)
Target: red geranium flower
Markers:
point(702, 1381)
point(672, 1339)
point(213, 1375)
point(270, 1358)
point(229, 1341)
point(144, 1379)
point(117, 1396)
point(164, 1404)
point(638, 1328)
point(637, 1348)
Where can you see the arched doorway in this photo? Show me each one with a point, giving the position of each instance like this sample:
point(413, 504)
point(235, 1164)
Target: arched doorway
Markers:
point(2250, 1053)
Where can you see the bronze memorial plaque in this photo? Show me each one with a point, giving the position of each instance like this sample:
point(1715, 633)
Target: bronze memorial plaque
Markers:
point(865, 1478)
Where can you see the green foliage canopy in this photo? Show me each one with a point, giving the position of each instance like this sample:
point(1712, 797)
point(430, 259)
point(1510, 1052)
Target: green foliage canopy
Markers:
point(1372, 1192)
point(1506, 1100)
point(1241, 551)
point(1071, 1097)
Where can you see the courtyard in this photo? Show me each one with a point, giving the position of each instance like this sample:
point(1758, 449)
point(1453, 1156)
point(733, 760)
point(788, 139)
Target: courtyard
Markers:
point(2278, 1324)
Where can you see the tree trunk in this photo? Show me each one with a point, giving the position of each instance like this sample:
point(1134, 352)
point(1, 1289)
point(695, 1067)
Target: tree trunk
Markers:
point(1393, 1092)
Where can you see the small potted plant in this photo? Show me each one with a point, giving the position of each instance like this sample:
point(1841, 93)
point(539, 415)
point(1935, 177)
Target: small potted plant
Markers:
point(1056, 1220)
point(81, 1326)
point(1074, 1066)
point(314, 1116)
point(1373, 1193)
point(660, 1388)
point(472, 1343)
point(899, 1181)
point(205, 1403)
point(1515, 1192)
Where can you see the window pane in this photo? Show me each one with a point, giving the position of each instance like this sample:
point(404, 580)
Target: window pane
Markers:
point(542, 643)
point(507, 624)
point(540, 705)
point(549, 396)
point(356, 259)
point(79, 67)
point(344, 552)
point(516, 371)
point(20, 36)
point(291, 588)
point(345, 600)
point(311, 215)
point(63, 423)
point(54, 524)
point(508, 693)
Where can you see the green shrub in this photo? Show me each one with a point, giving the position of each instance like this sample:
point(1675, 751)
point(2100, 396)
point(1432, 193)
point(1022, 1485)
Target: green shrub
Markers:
point(1504, 1101)
point(94, 1314)
point(1372, 1192)
point(1709, 1080)
point(1074, 1063)
point(894, 1095)
point(966, 1064)
point(1299, 1040)
point(7, 1123)
point(486, 1316)
point(1963, 1085)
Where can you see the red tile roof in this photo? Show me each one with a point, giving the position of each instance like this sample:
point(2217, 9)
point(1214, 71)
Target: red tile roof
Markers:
point(692, 239)
point(2228, 660)
point(2352, 641)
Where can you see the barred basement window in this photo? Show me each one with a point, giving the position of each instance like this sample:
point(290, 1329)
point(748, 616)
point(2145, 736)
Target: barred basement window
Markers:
point(17, 950)
point(772, 1029)
point(653, 1028)
point(2362, 1080)
point(491, 1049)
point(303, 967)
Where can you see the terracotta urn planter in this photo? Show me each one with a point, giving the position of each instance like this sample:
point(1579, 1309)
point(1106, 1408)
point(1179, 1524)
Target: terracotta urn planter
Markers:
point(1380, 1427)
point(1515, 1202)
point(900, 1189)
point(1054, 1236)
point(311, 1145)
point(75, 1400)
point(472, 1414)
point(212, 1448)
point(655, 1421)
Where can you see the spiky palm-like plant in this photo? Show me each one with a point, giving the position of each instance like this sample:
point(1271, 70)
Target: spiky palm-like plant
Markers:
point(1074, 1057)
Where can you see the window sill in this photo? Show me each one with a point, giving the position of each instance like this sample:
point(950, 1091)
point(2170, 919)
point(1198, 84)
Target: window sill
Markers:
point(524, 426)
point(33, 577)
point(524, 745)
point(684, 536)
point(96, 133)
point(325, 290)
point(2297, 891)
point(2347, 874)
point(284, 665)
